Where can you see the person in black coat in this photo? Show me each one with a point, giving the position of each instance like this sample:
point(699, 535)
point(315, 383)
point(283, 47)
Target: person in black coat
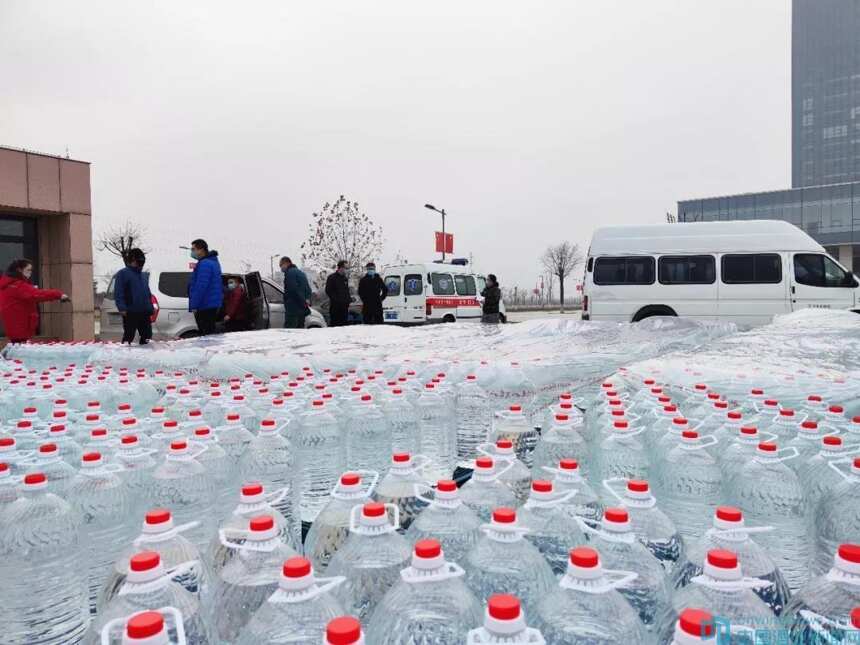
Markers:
point(492, 295)
point(372, 291)
point(339, 297)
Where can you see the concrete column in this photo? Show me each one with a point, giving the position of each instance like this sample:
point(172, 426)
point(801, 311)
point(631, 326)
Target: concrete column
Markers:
point(846, 256)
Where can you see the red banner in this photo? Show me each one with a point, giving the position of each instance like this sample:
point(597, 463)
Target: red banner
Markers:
point(444, 242)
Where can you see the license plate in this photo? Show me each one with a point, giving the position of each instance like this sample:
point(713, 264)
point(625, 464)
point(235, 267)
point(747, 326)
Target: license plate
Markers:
point(390, 315)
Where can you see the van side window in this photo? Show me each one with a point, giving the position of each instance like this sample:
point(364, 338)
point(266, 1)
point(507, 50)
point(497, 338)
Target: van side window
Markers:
point(624, 270)
point(817, 270)
point(274, 296)
point(465, 285)
point(392, 283)
point(751, 268)
point(687, 269)
point(413, 285)
point(442, 283)
point(109, 293)
point(174, 284)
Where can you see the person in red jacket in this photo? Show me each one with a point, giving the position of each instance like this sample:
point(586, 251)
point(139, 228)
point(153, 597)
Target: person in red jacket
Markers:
point(19, 301)
point(235, 306)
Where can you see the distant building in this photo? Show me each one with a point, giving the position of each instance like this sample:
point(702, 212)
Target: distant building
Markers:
point(45, 215)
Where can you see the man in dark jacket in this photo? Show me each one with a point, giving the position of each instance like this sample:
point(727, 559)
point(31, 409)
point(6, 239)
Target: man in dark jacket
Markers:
point(297, 295)
point(206, 289)
point(133, 298)
point(372, 291)
point(492, 297)
point(339, 297)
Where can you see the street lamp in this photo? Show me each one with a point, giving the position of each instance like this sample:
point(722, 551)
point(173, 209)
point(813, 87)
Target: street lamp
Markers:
point(442, 213)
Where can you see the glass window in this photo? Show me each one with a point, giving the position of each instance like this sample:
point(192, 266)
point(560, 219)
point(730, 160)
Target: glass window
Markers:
point(392, 283)
point(413, 285)
point(442, 283)
point(482, 283)
point(759, 268)
point(109, 292)
point(274, 296)
point(624, 270)
point(818, 270)
point(687, 269)
point(174, 284)
point(465, 285)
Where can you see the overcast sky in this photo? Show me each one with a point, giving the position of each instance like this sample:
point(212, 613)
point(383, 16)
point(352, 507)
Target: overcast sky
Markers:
point(530, 121)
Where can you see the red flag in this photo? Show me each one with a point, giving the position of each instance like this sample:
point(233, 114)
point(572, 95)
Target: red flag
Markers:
point(444, 244)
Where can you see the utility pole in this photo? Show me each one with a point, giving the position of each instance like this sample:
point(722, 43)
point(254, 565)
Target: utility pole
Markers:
point(441, 211)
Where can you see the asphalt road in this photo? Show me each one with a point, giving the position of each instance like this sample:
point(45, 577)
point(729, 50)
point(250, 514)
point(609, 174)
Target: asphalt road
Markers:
point(522, 316)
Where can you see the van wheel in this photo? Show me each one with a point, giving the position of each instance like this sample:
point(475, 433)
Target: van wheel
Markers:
point(189, 334)
point(653, 310)
point(449, 319)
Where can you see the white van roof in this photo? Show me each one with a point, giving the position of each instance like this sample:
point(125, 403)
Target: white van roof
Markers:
point(749, 236)
point(428, 267)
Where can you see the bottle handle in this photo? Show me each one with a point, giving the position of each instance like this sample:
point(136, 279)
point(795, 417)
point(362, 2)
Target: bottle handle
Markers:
point(704, 442)
point(607, 484)
point(551, 503)
point(276, 497)
point(834, 464)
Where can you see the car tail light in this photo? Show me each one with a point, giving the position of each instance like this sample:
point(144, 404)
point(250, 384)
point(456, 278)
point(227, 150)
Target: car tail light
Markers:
point(155, 309)
point(428, 309)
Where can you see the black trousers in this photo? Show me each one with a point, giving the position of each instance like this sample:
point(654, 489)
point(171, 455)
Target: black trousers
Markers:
point(371, 314)
point(338, 314)
point(135, 322)
point(205, 319)
point(236, 325)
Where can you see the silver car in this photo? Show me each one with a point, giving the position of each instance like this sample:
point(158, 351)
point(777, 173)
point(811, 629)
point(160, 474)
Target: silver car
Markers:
point(173, 320)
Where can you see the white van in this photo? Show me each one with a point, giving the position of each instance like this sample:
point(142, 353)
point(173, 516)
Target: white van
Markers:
point(743, 272)
point(433, 292)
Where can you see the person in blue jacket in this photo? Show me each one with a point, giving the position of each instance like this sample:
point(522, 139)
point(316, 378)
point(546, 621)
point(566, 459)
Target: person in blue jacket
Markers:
point(297, 295)
point(205, 290)
point(133, 298)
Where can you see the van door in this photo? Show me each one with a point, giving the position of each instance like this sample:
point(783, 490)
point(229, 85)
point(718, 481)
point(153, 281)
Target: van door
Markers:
point(819, 282)
point(414, 298)
point(754, 287)
point(394, 305)
point(258, 308)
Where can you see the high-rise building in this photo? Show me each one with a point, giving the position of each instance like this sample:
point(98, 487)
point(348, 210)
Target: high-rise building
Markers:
point(825, 92)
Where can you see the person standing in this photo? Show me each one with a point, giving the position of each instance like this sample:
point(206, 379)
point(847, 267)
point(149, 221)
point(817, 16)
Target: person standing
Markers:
point(492, 295)
point(372, 291)
point(206, 289)
point(297, 295)
point(19, 300)
point(235, 306)
point(339, 297)
point(133, 298)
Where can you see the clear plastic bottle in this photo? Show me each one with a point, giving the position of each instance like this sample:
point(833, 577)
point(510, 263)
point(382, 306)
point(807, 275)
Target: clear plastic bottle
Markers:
point(320, 457)
point(816, 474)
point(448, 520)
point(693, 627)
point(399, 486)
point(44, 585)
point(837, 517)
point(584, 503)
point(234, 436)
point(737, 453)
point(437, 431)
point(623, 454)
point(504, 622)
point(430, 599)
point(344, 630)
point(18, 460)
point(27, 433)
point(102, 442)
point(298, 611)
point(367, 437)
point(503, 559)
point(138, 464)
point(160, 627)
point(512, 471)
point(785, 425)
point(59, 473)
point(218, 466)
point(166, 435)
point(561, 440)
point(8, 486)
point(729, 532)
point(586, 608)
point(769, 493)
point(247, 581)
point(70, 450)
point(484, 491)
point(403, 419)
point(807, 442)
point(370, 559)
point(474, 418)
point(513, 424)
point(550, 528)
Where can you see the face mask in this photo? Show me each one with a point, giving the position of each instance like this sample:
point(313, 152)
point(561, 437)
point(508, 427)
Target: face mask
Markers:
point(284, 269)
point(371, 272)
point(342, 271)
point(231, 285)
point(192, 254)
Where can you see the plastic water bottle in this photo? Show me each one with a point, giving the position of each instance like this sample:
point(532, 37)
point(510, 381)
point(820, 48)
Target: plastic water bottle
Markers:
point(512, 471)
point(550, 528)
point(586, 607)
point(399, 486)
point(511, 386)
point(430, 599)
point(70, 450)
point(26, 434)
point(816, 474)
point(247, 581)
point(835, 421)
point(448, 520)
point(270, 459)
point(513, 424)
point(729, 532)
point(724, 589)
point(693, 627)
point(17, 460)
point(166, 435)
point(8, 486)
point(623, 454)
point(739, 452)
point(691, 484)
point(331, 527)
point(403, 419)
point(729, 428)
point(367, 437)
point(102, 442)
point(616, 542)
point(218, 466)
point(344, 630)
point(474, 418)
point(138, 464)
point(148, 584)
point(503, 559)
point(504, 622)
point(160, 534)
point(837, 517)
point(298, 611)
point(584, 502)
point(807, 442)
point(825, 608)
point(437, 430)
point(161, 627)
point(785, 425)
point(182, 484)
point(769, 493)
point(484, 492)
point(371, 558)
point(561, 440)
point(59, 473)
point(660, 446)
point(234, 436)
point(44, 585)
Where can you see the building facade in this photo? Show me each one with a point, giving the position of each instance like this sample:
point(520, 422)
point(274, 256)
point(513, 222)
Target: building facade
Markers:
point(45, 216)
point(825, 92)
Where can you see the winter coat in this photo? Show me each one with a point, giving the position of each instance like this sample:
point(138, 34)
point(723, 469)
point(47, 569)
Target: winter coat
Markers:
point(372, 290)
point(297, 291)
point(131, 291)
point(337, 289)
point(492, 296)
point(18, 306)
point(206, 289)
point(235, 305)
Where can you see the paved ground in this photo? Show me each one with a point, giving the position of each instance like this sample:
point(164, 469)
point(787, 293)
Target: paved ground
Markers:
point(521, 316)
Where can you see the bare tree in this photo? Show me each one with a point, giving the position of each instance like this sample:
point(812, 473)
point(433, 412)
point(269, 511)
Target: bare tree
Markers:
point(560, 260)
point(341, 231)
point(119, 240)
